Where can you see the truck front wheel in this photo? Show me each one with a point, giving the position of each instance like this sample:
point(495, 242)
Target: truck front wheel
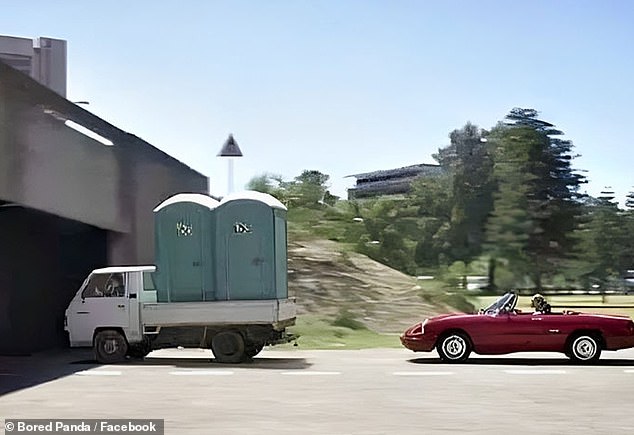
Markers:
point(110, 347)
point(228, 347)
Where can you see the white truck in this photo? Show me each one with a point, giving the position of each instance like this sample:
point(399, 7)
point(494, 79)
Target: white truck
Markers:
point(116, 312)
point(220, 282)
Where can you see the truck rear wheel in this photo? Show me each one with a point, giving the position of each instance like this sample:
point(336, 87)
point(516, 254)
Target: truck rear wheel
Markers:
point(252, 349)
point(110, 347)
point(228, 347)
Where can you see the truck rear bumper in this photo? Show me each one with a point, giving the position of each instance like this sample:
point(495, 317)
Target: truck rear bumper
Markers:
point(285, 337)
point(286, 310)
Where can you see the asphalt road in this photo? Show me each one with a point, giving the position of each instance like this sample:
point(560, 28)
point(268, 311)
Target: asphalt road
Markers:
point(378, 391)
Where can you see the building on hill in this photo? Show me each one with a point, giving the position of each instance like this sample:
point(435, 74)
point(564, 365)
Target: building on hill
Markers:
point(390, 181)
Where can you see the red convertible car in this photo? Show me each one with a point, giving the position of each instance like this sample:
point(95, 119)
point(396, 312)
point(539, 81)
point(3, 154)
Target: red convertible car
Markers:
point(500, 329)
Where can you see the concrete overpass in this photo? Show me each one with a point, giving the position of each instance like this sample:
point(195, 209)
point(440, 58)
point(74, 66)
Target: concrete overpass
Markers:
point(69, 203)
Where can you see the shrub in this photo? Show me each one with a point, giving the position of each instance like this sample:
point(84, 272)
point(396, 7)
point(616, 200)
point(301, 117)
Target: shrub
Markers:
point(346, 319)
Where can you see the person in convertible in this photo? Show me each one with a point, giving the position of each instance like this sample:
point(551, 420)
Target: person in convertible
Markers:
point(539, 303)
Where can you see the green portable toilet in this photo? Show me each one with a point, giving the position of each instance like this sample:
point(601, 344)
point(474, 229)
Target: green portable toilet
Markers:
point(250, 256)
point(184, 240)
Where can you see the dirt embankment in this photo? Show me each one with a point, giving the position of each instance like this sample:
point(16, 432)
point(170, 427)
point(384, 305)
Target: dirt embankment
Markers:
point(326, 279)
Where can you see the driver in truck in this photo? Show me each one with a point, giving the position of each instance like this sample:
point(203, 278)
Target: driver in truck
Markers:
point(539, 303)
point(115, 287)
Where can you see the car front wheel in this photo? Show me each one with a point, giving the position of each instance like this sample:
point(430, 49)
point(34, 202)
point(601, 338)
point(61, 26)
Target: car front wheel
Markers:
point(454, 347)
point(584, 348)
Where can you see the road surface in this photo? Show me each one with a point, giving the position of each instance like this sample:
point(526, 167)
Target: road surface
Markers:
point(377, 391)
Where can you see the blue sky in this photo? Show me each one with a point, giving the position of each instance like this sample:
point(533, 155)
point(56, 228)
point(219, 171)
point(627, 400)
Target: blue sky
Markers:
point(345, 86)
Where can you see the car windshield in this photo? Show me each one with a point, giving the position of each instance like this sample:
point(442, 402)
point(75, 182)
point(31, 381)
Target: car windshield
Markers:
point(505, 303)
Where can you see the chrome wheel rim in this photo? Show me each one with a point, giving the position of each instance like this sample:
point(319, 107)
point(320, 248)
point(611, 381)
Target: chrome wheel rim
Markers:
point(454, 346)
point(110, 346)
point(584, 348)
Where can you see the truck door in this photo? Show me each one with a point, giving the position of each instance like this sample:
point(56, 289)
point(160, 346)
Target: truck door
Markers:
point(103, 302)
point(134, 289)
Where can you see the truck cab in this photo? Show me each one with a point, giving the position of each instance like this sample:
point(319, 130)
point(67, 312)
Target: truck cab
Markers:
point(109, 300)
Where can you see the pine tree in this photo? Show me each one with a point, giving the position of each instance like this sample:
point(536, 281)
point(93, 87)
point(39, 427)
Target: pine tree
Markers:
point(533, 171)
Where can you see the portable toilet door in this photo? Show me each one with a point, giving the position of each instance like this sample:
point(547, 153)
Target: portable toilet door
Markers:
point(246, 246)
point(183, 248)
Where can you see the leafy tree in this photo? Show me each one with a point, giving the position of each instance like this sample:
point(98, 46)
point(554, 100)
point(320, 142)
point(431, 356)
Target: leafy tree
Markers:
point(432, 200)
point(272, 184)
point(388, 228)
point(265, 183)
point(599, 253)
point(308, 189)
point(468, 161)
point(627, 260)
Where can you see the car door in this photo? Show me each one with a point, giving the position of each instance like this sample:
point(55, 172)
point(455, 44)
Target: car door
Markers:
point(546, 332)
point(102, 303)
point(502, 333)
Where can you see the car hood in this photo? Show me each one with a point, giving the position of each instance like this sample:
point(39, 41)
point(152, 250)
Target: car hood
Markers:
point(450, 315)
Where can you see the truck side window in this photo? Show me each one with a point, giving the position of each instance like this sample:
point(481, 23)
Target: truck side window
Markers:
point(148, 281)
point(96, 287)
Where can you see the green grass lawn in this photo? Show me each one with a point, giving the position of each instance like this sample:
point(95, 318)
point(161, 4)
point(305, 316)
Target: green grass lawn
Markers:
point(319, 333)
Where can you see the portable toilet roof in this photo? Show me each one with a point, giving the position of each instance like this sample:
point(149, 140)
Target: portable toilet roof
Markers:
point(265, 198)
point(196, 198)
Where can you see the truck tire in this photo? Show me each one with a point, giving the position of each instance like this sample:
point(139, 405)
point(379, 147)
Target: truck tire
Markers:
point(228, 347)
point(110, 347)
point(139, 351)
point(252, 349)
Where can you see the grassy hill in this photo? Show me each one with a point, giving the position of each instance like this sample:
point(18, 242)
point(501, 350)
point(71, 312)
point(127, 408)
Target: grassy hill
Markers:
point(330, 281)
point(345, 299)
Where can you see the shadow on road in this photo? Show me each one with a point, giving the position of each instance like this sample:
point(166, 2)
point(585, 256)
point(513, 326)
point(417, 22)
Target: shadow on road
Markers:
point(271, 363)
point(528, 362)
point(19, 372)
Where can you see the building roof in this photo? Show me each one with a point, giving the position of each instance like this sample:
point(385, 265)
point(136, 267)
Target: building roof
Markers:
point(405, 171)
point(390, 181)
